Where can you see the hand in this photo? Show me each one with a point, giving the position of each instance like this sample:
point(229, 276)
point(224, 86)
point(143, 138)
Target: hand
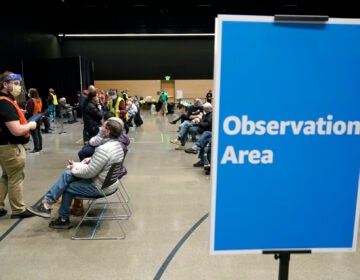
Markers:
point(86, 160)
point(32, 125)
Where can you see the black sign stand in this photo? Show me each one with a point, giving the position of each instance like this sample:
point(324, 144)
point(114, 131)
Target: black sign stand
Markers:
point(284, 258)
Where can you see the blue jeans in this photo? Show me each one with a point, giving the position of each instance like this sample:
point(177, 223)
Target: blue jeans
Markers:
point(185, 128)
point(205, 154)
point(69, 186)
point(86, 151)
point(52, 111)
point(203, 139)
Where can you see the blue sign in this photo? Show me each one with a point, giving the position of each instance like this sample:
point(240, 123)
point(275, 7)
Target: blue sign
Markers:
point(285, 147)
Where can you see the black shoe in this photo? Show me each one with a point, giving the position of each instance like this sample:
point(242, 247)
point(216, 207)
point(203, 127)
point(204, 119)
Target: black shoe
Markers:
point(34, 151)
point(207, 171)
point(22, 215)
point(191, 151)
point(173, 122)
point(3, 212)
point(40, 211)
point(198, 164)
point(59, 224)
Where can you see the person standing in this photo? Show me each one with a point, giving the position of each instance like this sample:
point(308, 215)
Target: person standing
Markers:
point(82, 104)
point(209, 96)
point(93, 115)
point(163, 98)
point(52, 103)
point(14, 132)
point(34, 106)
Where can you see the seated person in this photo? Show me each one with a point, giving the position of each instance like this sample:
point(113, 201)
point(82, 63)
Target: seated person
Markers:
point(83, 178)
point(66, 110)
point(131, 111)
point(183, 117)
point(204, 138)
point(194, 127)
point(124, 140)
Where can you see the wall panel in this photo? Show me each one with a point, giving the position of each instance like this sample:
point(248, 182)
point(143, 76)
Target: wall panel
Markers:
point(191, 88)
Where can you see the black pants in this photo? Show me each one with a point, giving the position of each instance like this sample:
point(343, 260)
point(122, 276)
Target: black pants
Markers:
point(37, 137)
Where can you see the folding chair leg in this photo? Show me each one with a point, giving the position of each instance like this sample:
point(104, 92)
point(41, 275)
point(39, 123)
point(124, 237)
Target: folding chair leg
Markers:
point(92, 236)
point(126, 196)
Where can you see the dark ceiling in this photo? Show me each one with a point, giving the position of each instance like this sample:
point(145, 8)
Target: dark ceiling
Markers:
point(142, 16)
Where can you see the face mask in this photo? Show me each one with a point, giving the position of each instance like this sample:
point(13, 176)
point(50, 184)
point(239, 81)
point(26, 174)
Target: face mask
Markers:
point(16, 90)
point(113, 97)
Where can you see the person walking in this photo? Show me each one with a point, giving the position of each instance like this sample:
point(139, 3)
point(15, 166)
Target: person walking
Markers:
point(14, 133)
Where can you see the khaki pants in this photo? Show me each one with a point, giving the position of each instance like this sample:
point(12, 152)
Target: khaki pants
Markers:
point(12, 162)
point(164, 110)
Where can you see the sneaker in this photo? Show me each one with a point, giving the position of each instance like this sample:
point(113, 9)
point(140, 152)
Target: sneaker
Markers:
point(180, 148)
point(3, 212)
point(22, 215)
point(191, 151)
point(175, 141)
point(173, 122)
point(198, 164)
point(40, 211)
point(60, 224)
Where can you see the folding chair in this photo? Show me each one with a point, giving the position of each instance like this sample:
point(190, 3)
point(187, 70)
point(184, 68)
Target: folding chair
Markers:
point(107, 201)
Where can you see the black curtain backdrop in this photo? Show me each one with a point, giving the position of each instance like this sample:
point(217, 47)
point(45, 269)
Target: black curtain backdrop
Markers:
point(145, 58)
point(87, 73)
point(66, 76)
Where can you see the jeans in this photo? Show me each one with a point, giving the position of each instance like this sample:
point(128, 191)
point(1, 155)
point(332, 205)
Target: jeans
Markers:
point(203, 139)
point(86, 151)
point(185, 128)
point(205, 155)
point(52, 111)
point(69, 186)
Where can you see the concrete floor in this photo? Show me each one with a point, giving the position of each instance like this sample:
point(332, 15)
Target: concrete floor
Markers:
point(167, 236)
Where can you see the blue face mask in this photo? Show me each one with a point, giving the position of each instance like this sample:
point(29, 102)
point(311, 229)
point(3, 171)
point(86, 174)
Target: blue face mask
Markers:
point(113, 97)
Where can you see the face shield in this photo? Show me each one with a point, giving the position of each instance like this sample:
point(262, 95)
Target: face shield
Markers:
point(16, 86)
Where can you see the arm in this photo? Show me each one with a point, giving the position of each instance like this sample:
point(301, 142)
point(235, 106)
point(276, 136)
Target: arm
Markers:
point(29, 108)
point(97, 139)
point(18, 129)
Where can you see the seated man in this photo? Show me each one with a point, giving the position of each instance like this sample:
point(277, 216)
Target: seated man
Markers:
point(85, 178)
point(183, 117)
point(66, 110)
point(194, 127)
point(203, 144)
